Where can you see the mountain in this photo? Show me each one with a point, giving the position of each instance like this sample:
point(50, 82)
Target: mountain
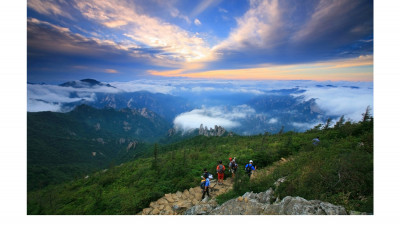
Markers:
point(166, 106)
point(85, 83)
point(62, 146)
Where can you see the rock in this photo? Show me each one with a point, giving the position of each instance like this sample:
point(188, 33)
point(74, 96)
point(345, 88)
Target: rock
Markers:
point(240, 198)
point(331, 209)
point(203, 209)
point(168, 210)
point(195, 201)
point(147, 211)
point(279, 181)
point(235, 207)
point(265, 197)
point(192, 191)
point(186, 194)
point(155, 211)
point(162, 201)
point(169, 199)
point(153, 205)
point(299, 206)
point(357, 213)
point(178, 194)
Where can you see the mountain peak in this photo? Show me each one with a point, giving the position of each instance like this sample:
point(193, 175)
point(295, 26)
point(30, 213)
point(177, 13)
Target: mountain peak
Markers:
point(84, 83)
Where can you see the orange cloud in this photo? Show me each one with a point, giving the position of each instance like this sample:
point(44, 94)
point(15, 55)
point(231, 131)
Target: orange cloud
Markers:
point(350, 69)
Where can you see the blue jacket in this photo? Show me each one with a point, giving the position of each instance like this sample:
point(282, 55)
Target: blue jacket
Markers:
point(251, 166)
point(207, 182)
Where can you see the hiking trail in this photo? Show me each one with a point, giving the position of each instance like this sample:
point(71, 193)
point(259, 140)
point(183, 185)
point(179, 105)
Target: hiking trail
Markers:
point(178, 203)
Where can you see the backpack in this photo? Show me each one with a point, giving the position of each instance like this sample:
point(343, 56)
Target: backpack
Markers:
point(221, 169)
point(233, 165)
point(203, 184)
point(248, 168)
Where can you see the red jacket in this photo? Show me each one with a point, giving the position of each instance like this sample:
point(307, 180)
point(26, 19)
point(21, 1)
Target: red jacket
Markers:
point(222, 167)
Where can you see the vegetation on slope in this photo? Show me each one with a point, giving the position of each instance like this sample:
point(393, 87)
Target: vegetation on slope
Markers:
point(339, 170)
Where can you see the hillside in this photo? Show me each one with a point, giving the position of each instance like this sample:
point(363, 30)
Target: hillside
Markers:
point(339, 170)
point(64, 146)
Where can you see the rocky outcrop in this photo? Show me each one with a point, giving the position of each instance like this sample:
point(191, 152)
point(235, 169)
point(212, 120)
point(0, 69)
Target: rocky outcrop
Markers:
point(189, 202)
point(216, 131)
point(260, 204)
point(131, 145)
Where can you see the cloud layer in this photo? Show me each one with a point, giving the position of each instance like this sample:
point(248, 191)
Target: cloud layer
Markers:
point(226, 117)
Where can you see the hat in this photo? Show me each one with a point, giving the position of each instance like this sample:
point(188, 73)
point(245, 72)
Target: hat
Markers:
point(250, 161)
point(230, 159)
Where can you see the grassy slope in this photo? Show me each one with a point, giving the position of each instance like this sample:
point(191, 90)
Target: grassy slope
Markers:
point(339, 170)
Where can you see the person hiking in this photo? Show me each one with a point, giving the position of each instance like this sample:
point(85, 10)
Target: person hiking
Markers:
point(205, 183)
point(233, 166)
point(230, 161)
point(220, 171)
point(205, 173)
point(250, 168)
point(316, 141)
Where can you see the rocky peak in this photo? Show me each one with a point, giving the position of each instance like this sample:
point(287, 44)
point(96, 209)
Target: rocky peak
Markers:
point(216, 131)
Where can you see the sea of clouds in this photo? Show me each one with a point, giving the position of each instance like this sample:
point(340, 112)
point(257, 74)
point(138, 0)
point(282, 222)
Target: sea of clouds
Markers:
point(220, 102)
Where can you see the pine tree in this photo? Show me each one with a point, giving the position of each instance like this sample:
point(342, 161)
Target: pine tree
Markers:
point(366, 115)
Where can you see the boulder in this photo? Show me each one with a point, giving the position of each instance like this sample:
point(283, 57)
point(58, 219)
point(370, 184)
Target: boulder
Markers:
point(186, 194)
point(299, 206)
point(236, 207)
point(203, 209)
point(162, 201)
point(155, 211)
point(147, 211)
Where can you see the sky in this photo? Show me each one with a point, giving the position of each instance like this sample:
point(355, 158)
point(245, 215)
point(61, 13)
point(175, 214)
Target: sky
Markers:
point(124, 40)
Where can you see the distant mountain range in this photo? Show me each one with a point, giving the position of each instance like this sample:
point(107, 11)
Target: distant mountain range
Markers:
point(267, 112)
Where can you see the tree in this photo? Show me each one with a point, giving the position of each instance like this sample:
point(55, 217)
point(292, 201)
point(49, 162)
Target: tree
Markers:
point(340, 122)
point(328, 123)
point(366, 115)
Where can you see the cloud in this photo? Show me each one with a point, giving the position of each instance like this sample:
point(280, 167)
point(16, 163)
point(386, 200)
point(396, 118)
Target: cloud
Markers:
point(222, 10)
point(40, 106)
point(202, 6)
point(273, 120)
point(259, 27)
point(50, 7)
point(274, 31)
point(342, 99)
point(51, 97)
point(110, 71)
point(197, 22)
point(211, 116)
point(144, 85)
point(352, 69)
point(173, 42)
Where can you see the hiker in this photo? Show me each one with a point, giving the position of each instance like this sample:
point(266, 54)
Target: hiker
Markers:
point(230, 161)
point(316, 141)
point(205, 183)
point(220, 171)
point(233, 166)
point(250, 168)
point(205, 173)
